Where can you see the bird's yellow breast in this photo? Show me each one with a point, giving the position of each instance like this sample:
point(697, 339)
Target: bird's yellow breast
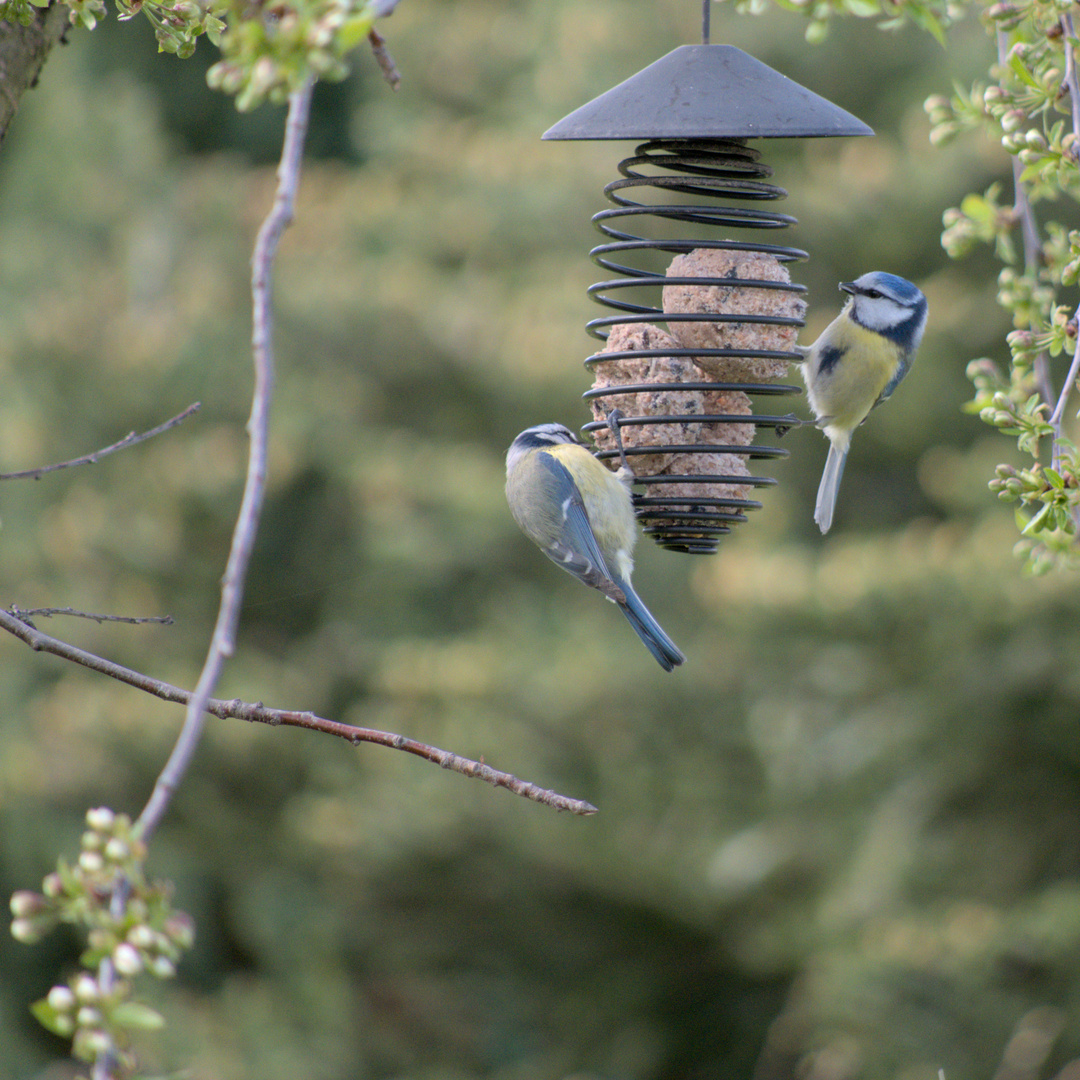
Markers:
point(846, 391)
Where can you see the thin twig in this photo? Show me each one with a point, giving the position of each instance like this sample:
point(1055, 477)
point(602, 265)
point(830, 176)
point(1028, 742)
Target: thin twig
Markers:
point(1073, 83)
point(49, 612)
point(1029, 232)
point(92, 459)
point(1057, 416)
point(1070, 78)
point(258, 713)
point(106, 1062)
point(1070, 381)
point(385, 61)
point(223, 642)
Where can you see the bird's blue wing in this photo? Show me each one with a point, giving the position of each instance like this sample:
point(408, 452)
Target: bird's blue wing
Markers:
point(894, 382)
point(569, 539)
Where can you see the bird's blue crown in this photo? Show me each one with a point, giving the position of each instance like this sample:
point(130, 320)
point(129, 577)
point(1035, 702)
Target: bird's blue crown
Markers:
point(901, 288)
point(543, 435)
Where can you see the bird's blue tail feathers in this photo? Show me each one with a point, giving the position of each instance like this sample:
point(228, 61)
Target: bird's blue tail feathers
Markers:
point(830, 487)
point(649, 630)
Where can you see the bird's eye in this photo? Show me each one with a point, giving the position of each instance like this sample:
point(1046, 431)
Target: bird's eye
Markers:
point(873, 294)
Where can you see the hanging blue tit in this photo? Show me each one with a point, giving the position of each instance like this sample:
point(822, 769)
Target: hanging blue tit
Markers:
point(581, 516)
point(856, 363)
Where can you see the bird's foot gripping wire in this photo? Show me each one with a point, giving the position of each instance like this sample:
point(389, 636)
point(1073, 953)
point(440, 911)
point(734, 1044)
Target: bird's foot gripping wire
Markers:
point(613, 419)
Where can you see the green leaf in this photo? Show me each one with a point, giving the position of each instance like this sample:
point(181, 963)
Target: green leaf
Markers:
point(134, 1016)
point(926, 20)
point(58, 1023)
point(1035, 524)
point(1022, 72)
point(354, 31)
point(67, 876)
point(977, 208)
point(1032, 172)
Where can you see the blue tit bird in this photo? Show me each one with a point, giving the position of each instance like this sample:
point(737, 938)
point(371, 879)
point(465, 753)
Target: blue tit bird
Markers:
point(856, 363)
point(581, 516)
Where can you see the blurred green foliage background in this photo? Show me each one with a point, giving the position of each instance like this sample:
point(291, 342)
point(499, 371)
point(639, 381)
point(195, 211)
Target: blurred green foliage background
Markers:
point(843, 841)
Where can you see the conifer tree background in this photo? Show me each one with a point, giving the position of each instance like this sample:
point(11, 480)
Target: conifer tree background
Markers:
point(842, 841)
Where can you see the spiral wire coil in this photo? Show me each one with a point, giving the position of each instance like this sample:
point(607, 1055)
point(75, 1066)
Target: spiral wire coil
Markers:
point(702, 169)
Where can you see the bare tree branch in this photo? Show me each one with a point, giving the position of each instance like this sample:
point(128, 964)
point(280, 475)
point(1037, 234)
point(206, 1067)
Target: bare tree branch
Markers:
point(92, 459)
point(25, 614)
point(1072, 81)
point(1024, 212)
point(223, 642)
point(258, 713)
point(105, 1064)
point(23, 50)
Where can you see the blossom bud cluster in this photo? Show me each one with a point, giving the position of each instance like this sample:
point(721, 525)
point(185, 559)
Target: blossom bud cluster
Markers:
point(131, 928)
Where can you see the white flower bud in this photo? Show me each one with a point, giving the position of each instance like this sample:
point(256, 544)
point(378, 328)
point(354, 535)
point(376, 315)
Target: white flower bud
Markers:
point(162, 967)
point(127, 959)
point(86, 989)
point(88, 1016)
point(100, 819)
point(61, 999)
point(116, 850)
point(142, 937)
point(91, 862)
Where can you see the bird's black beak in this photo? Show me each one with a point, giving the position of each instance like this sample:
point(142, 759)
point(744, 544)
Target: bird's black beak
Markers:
point(848, 287)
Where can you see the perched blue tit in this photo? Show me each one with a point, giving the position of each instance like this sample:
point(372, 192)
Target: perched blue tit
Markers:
point(856, 363)
point(580, 514)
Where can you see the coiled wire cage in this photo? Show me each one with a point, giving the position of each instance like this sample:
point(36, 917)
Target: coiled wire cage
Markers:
point(720, 169)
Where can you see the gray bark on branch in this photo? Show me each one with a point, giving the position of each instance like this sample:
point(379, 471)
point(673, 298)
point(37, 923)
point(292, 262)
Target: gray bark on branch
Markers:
point(23, 50)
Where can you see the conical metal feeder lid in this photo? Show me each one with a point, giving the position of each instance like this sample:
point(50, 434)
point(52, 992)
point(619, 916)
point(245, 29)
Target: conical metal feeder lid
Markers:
point(708, 92)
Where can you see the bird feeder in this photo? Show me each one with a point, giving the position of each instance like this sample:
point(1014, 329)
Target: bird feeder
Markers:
point(684, 397)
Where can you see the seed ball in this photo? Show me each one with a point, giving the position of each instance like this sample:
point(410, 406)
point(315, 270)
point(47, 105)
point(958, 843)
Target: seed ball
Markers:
point(733, 299)
point(662, 399)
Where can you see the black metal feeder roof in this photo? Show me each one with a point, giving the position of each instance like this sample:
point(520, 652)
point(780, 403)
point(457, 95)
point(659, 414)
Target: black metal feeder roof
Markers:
point(708, 92)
